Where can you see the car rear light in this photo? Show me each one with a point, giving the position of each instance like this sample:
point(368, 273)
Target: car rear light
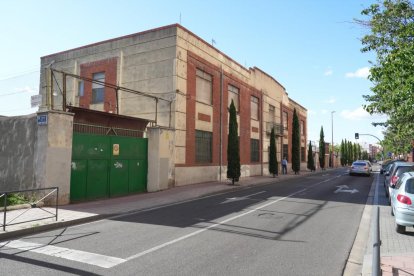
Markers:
point(394, 179)
point(365, 168)
point(404, 199)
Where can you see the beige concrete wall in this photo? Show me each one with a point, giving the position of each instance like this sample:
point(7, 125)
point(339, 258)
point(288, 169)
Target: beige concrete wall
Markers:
point(160, 162)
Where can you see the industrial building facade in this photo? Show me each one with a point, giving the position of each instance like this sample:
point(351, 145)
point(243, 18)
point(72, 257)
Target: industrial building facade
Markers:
point(171, 80)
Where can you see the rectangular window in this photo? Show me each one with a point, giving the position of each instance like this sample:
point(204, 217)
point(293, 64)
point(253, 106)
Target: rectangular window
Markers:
point(285, 151)
point(285, 120)
point(81, 88)
point(254, 150)
point(234, 95)
point(301, 128)
point(98, 90)
point(271, 113)
point(302, 154)
point(203, 146)
point(254, 108)
point(204, 87)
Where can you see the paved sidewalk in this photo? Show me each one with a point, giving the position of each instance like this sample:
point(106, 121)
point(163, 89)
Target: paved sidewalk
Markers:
point(397, 250)
point(89, 211)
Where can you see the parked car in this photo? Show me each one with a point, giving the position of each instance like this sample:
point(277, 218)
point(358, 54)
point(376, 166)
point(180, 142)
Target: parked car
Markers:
point(387, 163)
point(395, 173)
point(402, 198)
point(360, 167)
point(388, 169)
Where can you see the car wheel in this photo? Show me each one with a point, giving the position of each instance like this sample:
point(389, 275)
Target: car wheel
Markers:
point(400, 229)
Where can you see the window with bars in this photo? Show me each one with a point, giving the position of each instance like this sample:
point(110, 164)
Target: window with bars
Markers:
point(203, 146)
point(254, 150)
point(254, 108)
point(98, 90)
point(301, 128)
point(204, 87)
point(234, 95)
point(302, 154)
point(285, 151)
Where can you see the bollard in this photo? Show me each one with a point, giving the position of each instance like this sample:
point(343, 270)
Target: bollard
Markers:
point(376, 258)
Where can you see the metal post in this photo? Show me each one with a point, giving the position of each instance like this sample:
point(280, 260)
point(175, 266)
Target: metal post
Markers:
point(332, 145)
point(52, 100)
point(57, 198)
point(64, 93)
point(5, 210)
point(376, 263)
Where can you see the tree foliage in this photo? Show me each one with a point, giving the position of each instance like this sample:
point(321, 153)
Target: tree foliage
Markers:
point(391, 38)
point(322, 149)
point(311, 162)
point(273, 165)
point(295, 143)
point(233, 153)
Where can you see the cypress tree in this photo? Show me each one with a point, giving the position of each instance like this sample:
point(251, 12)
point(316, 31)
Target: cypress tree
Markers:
point(233, 154)
point(342, 153)
point(311, 162)
point(295, 143)
point(273, 166)
point(322, 149)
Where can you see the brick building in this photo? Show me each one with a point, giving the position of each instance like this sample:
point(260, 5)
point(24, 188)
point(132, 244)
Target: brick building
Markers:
point(182, 86)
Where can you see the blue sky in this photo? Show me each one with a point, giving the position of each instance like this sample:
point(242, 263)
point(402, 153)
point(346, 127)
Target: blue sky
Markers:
point(311, 47)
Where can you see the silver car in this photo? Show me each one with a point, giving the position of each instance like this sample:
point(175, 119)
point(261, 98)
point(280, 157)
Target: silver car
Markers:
point(402, 199)
point(360, 167)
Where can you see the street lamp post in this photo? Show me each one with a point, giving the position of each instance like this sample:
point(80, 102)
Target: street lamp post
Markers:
point(332, 145)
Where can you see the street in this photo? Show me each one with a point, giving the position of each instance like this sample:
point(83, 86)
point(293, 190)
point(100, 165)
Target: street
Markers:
point(301, 226)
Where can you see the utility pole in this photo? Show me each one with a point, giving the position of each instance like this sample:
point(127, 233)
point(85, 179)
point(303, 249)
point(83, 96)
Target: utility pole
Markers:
point(332, 145)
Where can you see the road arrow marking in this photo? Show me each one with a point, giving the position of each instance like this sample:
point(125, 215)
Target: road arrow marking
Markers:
point(233, 199)
point(343, 189)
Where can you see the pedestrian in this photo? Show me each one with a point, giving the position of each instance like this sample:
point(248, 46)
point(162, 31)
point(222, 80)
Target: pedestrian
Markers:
point(284, 165)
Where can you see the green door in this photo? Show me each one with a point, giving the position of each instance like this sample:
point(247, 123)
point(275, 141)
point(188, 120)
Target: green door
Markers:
point(105, 166)
point(97, 180)
point(78, 179)
point(119, 177)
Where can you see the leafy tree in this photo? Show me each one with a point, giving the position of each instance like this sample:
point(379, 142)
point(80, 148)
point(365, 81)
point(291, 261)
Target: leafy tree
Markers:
point(322, 149)
point(273, 165)
point(342, 152)
point(295, 143)
point(391, 26)
point(233, 154)
point(311, 162)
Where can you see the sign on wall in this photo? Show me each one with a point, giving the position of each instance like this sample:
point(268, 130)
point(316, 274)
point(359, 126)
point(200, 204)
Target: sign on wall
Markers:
point(42, 119)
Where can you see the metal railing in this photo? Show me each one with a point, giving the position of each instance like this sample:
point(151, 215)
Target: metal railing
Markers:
point(33, 202)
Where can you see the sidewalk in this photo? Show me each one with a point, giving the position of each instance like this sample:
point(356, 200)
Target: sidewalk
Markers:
point(99, 209)
point(397, 250)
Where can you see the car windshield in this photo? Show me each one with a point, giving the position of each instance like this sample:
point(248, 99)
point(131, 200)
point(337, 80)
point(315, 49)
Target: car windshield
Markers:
point(409, 186)
point(404, 169)
point(360, 164)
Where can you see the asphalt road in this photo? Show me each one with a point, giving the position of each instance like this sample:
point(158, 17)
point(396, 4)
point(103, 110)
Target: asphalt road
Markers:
point(303, 226)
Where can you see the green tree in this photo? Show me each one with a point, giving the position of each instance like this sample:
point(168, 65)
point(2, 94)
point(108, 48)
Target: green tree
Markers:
point(273, 165)
point(295, 143)
point(233, 153)
point(322, 149)
point(342, 152)
point(390, 37)
point(311, 162)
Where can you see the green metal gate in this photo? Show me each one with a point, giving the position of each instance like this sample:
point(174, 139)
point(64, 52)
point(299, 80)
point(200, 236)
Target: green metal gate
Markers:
point(106, 166)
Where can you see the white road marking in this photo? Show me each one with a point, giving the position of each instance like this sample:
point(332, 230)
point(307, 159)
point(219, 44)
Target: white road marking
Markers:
point(65, 253)
point(232, 199)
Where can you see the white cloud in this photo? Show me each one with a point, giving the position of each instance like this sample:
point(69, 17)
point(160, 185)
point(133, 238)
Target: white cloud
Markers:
point(324, 111)
point(331, 100)
point(328, 72)
point(360, 73)
point(25, 89)
point(356, 114)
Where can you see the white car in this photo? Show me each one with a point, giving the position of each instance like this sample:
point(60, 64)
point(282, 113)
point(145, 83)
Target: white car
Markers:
point(402, 202)
point(361, 167)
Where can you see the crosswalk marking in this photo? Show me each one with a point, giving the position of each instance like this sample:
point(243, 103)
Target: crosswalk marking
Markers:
point(65, 253)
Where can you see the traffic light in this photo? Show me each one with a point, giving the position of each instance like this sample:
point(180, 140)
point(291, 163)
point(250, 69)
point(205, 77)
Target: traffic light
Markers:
point(356, 135)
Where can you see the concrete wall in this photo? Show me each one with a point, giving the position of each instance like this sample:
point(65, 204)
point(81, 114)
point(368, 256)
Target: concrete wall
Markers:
point(36, 156)
point(18, 145)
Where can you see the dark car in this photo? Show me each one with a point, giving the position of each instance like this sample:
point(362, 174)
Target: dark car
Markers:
point(395, 173)
point(388, 163)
